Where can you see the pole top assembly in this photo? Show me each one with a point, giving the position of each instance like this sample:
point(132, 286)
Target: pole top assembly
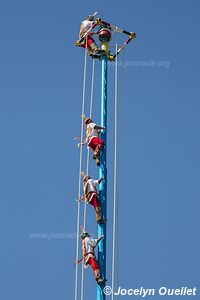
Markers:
point(104, 33)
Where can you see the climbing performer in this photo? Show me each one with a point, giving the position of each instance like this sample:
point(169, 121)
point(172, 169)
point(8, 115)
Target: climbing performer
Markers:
point(92, 137)
point(88, 255)
point(91, 196)
point(88, 42)
point(94, 141)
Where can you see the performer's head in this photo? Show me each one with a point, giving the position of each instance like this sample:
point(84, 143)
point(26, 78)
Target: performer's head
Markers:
point(90, 18)
point(85, 178)
point(84, 234)
point(88, 121)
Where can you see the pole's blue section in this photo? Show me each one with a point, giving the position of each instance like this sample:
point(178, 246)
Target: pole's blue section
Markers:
point(103, 185)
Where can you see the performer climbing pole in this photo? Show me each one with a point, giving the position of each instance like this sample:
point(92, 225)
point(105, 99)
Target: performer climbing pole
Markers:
point(91, 195)
point(97, 140)
point(88, 254)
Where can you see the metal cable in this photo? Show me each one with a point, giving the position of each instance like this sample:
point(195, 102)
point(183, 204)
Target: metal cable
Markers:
point(87, 170)
point(80, 169)
point(121, 90)
point(115, 174)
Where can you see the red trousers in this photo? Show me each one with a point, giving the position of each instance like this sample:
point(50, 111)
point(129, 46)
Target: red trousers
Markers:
point(96, 142)
point(89, 40)
point(94, 201)
point(93, 263)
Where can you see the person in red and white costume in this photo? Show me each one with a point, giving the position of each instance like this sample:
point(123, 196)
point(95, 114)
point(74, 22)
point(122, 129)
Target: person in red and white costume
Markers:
point(89, 42)
point(92, 197)
point(88, 254)
point(93, 139)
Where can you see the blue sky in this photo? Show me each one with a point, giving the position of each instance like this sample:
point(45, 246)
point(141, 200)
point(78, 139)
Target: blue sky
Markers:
point(41, 75)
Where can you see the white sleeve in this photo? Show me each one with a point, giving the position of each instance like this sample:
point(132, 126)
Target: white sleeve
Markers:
point(92, 125)
point(95, 182)
point(93, 242)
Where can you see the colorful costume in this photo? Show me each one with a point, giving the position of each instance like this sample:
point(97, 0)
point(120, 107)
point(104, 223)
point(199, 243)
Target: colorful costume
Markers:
point(93, 139)
point(91, 195)
point(88, 245)
point(88, 42)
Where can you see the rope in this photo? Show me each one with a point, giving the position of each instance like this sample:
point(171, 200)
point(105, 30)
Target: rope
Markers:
point(92, 88)
point(87, 171)
point(80, 169)
point(115, 175)
point(121, 89)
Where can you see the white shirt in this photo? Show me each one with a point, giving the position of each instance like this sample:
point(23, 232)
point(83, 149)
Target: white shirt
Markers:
point(85, 26)
point(88, 245)
point(92, 183)
point(92, 130)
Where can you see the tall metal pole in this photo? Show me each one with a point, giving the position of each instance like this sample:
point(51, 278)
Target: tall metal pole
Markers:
point(103, 173)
